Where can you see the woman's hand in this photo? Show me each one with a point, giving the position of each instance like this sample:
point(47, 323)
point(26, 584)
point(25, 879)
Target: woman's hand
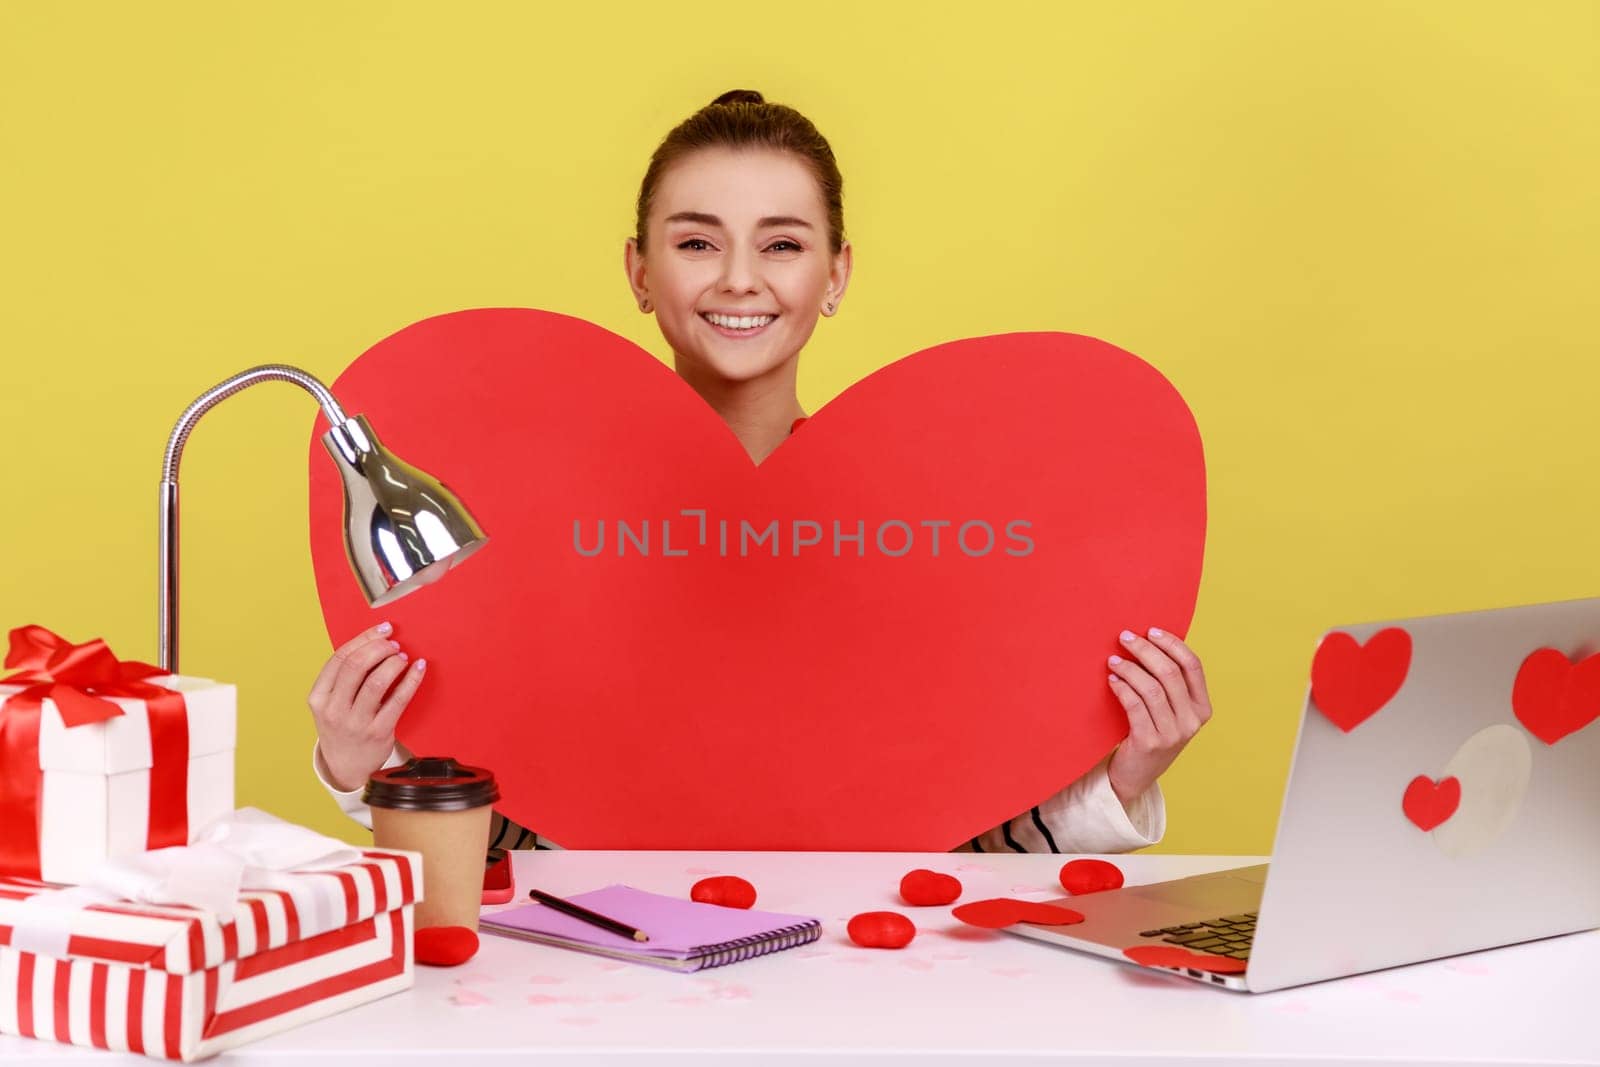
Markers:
point(354, 707)
point(1163, 690)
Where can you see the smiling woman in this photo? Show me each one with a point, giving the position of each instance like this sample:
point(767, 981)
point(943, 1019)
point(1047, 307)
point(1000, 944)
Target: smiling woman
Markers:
point(739, 248)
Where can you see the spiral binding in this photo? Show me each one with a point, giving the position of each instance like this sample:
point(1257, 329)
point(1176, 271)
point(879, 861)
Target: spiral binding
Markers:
point(760, 944)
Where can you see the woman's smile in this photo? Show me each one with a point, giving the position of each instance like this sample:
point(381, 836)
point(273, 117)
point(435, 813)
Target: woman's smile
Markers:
point(737, 326)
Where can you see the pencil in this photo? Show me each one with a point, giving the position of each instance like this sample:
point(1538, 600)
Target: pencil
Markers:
point(566, 907)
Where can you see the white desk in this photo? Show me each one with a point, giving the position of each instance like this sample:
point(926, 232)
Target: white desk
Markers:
point(956, 995)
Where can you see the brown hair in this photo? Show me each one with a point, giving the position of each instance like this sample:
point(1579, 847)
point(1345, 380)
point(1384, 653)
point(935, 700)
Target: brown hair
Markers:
point(741, 118)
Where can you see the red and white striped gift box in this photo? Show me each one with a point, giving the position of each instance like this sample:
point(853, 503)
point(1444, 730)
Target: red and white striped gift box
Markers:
point(181, 983)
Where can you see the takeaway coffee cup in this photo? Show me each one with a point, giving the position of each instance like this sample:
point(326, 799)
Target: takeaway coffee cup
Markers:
point(440, 808)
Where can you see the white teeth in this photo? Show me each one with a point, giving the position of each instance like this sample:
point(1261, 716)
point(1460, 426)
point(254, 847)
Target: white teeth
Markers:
point(738, 322)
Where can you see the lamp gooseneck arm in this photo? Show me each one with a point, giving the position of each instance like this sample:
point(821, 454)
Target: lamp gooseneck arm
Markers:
point(168, 564)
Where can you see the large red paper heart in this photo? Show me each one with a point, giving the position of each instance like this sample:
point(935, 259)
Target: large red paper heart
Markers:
point(1428, 803)
point(1350, 681)
point(1553, 696)
point(884, 698)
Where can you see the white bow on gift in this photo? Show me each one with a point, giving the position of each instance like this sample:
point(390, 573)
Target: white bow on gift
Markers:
point(246, 849)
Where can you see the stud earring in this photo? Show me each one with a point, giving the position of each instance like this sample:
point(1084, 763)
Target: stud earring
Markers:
point(644, 305)
point(828, 307)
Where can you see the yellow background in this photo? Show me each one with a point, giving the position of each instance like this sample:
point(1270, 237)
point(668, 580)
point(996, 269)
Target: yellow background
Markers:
point(1360, 238)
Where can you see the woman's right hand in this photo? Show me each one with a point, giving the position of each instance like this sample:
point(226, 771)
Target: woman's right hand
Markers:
point(355, 708)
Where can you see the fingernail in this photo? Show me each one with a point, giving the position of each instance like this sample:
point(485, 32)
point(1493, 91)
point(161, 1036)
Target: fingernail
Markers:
point(1111, 678)
point(1156, 633)
point(404, 657)
point(385, 627)
point(422, 665)
point(396, 644)
point(1115, 660)
point(1127, 637)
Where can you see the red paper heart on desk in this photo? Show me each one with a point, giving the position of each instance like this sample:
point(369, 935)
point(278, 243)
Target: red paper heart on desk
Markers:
point(1000, 912)
point(806, 700)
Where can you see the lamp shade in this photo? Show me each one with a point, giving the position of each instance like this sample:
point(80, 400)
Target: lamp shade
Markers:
point(403, 528)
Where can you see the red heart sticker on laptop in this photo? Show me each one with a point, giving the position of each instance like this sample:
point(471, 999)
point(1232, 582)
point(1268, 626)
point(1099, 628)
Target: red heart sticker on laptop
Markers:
point(1553, 696)
point(1351, 681)
point(920, 585)
point(1428, 803)
point(1175, 956)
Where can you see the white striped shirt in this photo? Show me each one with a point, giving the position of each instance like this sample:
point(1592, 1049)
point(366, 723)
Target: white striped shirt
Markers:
point(1085, 817)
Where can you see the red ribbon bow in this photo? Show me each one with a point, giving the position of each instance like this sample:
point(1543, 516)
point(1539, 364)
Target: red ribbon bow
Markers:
point(78, 678)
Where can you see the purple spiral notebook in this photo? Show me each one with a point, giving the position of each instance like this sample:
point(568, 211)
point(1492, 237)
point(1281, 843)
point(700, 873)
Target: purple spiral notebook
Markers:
point(685, 935)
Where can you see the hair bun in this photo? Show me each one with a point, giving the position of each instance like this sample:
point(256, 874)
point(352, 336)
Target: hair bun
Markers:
point(739, 96)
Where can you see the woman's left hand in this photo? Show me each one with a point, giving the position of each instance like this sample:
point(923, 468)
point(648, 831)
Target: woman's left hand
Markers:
point(1163, 690)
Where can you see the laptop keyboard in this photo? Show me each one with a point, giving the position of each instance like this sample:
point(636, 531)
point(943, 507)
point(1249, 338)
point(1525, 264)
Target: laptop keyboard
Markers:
point(1228, 936)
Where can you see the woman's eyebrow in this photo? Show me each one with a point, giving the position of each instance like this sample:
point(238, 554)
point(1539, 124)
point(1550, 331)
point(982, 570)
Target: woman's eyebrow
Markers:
point(782, 220)
point(711, 220)
point(695, 216)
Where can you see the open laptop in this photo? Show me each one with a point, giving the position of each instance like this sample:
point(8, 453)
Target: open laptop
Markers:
point(1354, 885)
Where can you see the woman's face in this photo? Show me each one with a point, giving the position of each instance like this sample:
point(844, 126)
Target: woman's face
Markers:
point(738, 262)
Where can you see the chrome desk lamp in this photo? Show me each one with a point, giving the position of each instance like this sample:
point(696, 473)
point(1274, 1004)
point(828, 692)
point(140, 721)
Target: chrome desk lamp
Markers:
point(402, 528)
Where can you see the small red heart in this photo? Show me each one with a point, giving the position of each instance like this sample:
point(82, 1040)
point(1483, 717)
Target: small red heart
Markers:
point(725, 890)
point(1090, 876)
point(881, 929)
point(1005, 911)
point(1428, 803)
point(923, 888)
point(1351, 681)
point(1176, 956)
point(444, 946)
point(1553, 696)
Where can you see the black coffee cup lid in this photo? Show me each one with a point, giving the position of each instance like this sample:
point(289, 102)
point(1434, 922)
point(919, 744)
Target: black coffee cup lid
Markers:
point(431, 783)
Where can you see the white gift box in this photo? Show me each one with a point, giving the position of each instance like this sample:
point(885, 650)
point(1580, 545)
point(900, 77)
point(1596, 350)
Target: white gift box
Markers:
point(184, 983)
point(96, 777)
